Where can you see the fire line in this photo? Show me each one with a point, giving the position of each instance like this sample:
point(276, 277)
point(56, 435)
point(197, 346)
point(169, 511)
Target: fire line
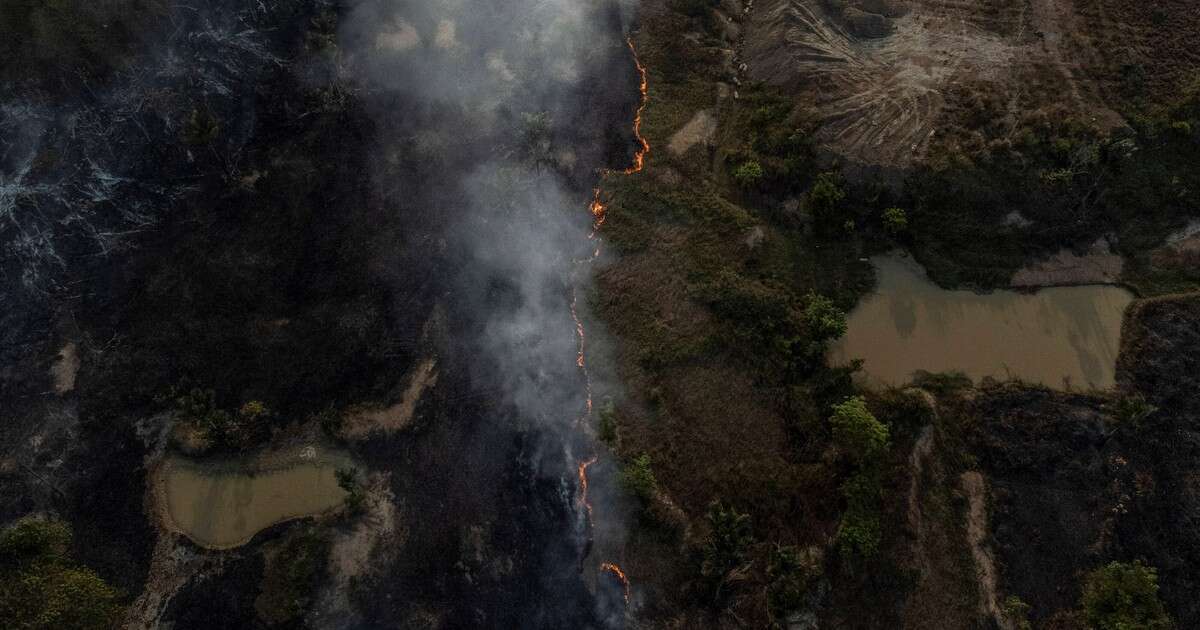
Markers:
point(599, 212)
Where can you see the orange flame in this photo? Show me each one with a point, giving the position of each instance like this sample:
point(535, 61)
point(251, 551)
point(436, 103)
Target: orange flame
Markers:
point(599, 212)
point(639, 158)
point(620, 575)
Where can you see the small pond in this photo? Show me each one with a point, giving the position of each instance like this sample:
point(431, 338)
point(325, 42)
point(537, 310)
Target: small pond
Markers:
point(222, 505)
point(1059, 337)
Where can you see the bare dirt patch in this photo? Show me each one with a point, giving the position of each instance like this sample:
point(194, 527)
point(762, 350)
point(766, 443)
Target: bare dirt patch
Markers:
point(1099, 265)
point(359, 424)
point(701, 129)
point(65, 369)
point(945, 68)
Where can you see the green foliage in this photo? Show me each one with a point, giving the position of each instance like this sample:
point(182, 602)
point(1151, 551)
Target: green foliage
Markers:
point(638, 477)
point(356, 495)
point(607, 428)
point(941, 383)
point(823, 321)
point(1016, 611)
point(825, 201)
point(857, 432)
point(1131, 410)
point(748, 175)
point(1124, 596)
point(859, 533)
point(895, 221)
point(198, 408)
point(41, 588)
point(725, 548)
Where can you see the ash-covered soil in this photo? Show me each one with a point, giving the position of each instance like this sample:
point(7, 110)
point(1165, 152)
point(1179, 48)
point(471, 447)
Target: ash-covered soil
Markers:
point(257, 201)
point(1072, 486)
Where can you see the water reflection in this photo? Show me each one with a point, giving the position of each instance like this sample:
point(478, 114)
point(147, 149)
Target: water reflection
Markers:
point(1060, 337)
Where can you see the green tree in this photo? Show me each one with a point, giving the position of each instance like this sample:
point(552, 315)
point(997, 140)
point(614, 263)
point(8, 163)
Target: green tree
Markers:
point(725, 548)
point(1124, 596)
point(42, 588)
point(638, 477)
point(857, 432)
point(895, 221)
point(824, 321)
point(825, 200)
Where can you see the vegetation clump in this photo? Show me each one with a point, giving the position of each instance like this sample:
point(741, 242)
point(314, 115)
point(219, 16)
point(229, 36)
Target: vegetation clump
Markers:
point(42, 588)
point(724, 551)
point(864, 439)
point(356, 494)
point(1124, 596)
point(638, 477)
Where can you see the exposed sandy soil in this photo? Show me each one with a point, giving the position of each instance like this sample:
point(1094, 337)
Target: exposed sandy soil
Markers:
point(934, 68)
point(65, 369)
point(1099, 265)
point(975, 488)
point(699, 130)
point(360, 424)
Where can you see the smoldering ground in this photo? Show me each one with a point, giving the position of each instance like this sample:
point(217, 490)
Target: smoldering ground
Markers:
point(484, 113)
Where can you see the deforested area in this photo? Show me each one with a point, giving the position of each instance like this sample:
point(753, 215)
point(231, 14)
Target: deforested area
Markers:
point(603, 314)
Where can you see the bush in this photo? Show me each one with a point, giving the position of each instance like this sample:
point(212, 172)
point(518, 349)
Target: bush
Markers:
point(748, 175)
point(791, 573)
point(895, 221)
point(725, 548)
point(638, 478)
point(824, 321)
point(857, 432)
point(41, 588)
point(825, 199)
point(859, 533)
point(356, 496)
point(608, 423)
point(1124, 596)
point(1016, 611)
point(1132, 410)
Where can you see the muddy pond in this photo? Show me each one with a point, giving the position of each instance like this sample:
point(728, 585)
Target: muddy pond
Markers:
point(223, 504)
point(1061, 337)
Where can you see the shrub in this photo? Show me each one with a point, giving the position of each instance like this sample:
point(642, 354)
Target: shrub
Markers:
point(638, 478)
point(824, 321)
point(356, 496)
point(1132, 410)
point(748, 175)
point(825, 199)
point(725, 548)
point(1016, 611)
point(1124, 596)
point(791, 573)
point(857, 432)
point(41, 588)
point(608, 423)
point(859, 533)
point(895, 221)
